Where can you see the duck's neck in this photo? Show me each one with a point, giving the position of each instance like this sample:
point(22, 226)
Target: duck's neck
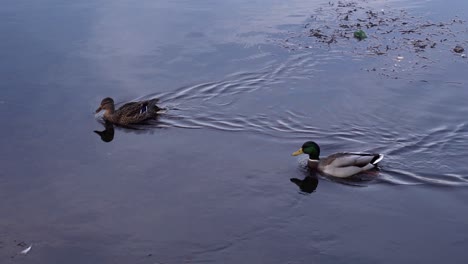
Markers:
point(313, 160)
point(109, 114)
point(314, 156)
point(313, 163)
point(111, 109)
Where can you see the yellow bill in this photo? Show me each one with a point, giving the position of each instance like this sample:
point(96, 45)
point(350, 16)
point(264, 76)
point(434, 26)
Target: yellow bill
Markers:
point(299, 152)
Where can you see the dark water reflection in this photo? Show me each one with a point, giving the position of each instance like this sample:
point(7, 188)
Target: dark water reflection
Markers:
point(106, 135)
point(210, 180)
point(308, 184)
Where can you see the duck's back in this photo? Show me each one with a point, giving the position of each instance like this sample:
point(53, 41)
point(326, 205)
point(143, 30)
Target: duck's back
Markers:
point(347, 164)
point(136, 112)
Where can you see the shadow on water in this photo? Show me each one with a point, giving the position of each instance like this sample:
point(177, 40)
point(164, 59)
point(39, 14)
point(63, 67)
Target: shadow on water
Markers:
point(309, 183)
point(107, 135)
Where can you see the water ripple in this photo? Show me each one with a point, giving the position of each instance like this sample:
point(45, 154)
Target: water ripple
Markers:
point(412, 157)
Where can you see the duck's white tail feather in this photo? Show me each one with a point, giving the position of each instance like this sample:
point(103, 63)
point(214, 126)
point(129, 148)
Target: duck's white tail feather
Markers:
point(381, 156)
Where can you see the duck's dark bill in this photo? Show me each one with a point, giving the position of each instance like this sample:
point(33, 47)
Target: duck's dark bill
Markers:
point(98, 110)
point(299, 152)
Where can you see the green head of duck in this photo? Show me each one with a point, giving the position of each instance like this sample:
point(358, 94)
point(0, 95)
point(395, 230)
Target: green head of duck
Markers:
point(311, 148)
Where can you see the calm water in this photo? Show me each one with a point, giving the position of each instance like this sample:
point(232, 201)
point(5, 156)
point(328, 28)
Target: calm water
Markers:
point(210, 183)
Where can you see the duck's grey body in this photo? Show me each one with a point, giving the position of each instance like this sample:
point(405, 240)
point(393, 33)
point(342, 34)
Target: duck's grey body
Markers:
point(345, 164)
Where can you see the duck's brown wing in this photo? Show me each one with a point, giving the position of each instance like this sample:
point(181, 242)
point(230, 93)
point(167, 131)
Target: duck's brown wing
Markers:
point(131, 109)
point(142, 107)
point(130, 113)
point(137, 112)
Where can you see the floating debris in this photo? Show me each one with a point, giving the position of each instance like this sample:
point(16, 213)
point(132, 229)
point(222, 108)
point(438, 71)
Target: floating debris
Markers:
point(26, 250)
point(390, 33)
point(458, 49)
point(360, 34)
point(21, 244)
point(317, 33)
point(420, 45)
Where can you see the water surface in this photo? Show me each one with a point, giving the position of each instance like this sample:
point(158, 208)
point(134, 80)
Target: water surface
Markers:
point(210, 181)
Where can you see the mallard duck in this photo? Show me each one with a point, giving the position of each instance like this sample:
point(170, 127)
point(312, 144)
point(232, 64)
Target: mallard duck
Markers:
point(339, 165)
point(130, 113)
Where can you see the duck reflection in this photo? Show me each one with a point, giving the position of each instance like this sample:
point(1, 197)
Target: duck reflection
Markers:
point(107, 135)
point(308, 184)
point(145, 127)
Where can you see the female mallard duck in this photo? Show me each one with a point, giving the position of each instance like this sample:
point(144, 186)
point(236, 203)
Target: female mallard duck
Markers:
point(130, 113)
point(340, 165)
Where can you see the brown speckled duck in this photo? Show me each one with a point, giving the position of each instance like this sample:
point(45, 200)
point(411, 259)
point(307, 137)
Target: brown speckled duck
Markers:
point(339, 165)
point(130, 113)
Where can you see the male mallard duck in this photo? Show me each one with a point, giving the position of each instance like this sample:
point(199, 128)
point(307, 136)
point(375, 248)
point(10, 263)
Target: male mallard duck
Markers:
point(340, 164)
point(130, 113)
